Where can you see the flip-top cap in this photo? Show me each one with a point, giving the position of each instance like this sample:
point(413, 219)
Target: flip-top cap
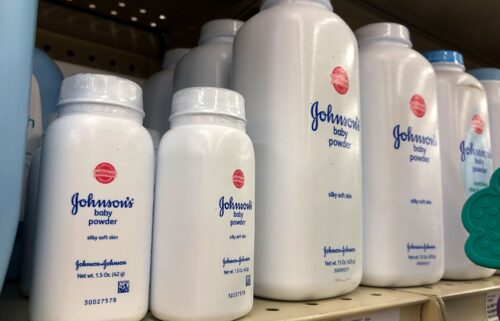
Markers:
point(446, 56)
point(271, 3)
point(103, 89)
point(208, 100)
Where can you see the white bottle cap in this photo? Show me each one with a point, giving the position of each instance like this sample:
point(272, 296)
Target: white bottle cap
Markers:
point(172, 57)
point(102, 89)
point(220, 27)
point(271, 3)
point(384, 31)
point(208, 100)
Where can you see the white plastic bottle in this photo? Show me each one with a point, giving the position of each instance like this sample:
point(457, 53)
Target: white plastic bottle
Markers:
point(204, 210)
point(158, 91)
point(490, 79)
point(296, 64)
point(465, 154)
point(93, 238)
point(209, 64)
point(403, 227)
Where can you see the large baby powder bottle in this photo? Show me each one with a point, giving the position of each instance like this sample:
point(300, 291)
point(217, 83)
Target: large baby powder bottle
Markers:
point(158, 93)
point(209, 64)
point(30, 217)
point(403, 228)
point(296, 64)
point(93, 235)
point(17, 33)
point(204, 210)
point(490, 79)
point(465, 155)
point(45, 85)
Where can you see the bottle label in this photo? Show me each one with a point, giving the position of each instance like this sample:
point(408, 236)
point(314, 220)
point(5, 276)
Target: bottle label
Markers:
point(421, 254)
point(475, 156)
point(342, 126)
point(340, 258)
point(234, 212)
point(335, 126)
point(103, 221)
point(419, 143)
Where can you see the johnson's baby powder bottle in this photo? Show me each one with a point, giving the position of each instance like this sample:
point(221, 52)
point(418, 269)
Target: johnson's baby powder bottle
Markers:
point(403, 228)
point(465, 154)
point(158, 94)
point(93, 238)
point(490, 79)
point(209, 64)
point(296, 64)
point(204, 210)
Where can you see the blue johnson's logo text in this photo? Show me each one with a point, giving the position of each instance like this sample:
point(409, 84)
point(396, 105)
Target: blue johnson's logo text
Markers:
point(410, 137)
point(471, 150)
point(329, 117)
point(89, 201)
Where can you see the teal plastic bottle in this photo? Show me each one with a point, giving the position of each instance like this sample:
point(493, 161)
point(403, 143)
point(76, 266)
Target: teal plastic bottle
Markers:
point(17, 33)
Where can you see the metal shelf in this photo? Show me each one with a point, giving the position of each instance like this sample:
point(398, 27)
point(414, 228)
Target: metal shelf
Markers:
point(368, 302)
point(460, 300)
point(445, 300)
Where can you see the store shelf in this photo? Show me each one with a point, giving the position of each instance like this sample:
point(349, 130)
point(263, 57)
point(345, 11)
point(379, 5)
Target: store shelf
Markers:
point(460, 300)
point(368, 302)
point(362, 302)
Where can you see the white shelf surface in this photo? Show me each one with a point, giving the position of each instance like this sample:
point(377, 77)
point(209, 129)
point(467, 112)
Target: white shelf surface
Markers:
point(443, 301)
point(364, 301)
point(459, 300)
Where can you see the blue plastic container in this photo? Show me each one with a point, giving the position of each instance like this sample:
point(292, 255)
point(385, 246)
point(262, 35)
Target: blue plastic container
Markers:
point(17, 35)
point(48, 78)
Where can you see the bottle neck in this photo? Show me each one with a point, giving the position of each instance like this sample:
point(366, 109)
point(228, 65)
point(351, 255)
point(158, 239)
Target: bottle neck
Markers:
point(384, 42)
point(207, 119)
point(446, 66)
point(102, 110)
point(273, 3)
point(216, 39)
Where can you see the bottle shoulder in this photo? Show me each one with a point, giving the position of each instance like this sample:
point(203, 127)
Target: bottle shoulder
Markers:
point(95, 127)
point(458, 78)
point(159, 77)
point(201, 134)
point(302, 15)
point(206, 52)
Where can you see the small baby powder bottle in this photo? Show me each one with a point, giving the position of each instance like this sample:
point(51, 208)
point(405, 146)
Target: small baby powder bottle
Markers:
point(203, 245)
point(93, 235)
point(465, 155)
point(402, 208)
point(209, 64)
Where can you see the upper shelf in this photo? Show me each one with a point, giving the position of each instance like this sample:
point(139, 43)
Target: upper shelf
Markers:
point(130, 36)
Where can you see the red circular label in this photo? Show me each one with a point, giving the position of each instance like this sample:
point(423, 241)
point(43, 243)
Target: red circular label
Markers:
point(105, 173)
point(417, 106)
point(477, 124)
point(238, 178)
point(339, 80)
